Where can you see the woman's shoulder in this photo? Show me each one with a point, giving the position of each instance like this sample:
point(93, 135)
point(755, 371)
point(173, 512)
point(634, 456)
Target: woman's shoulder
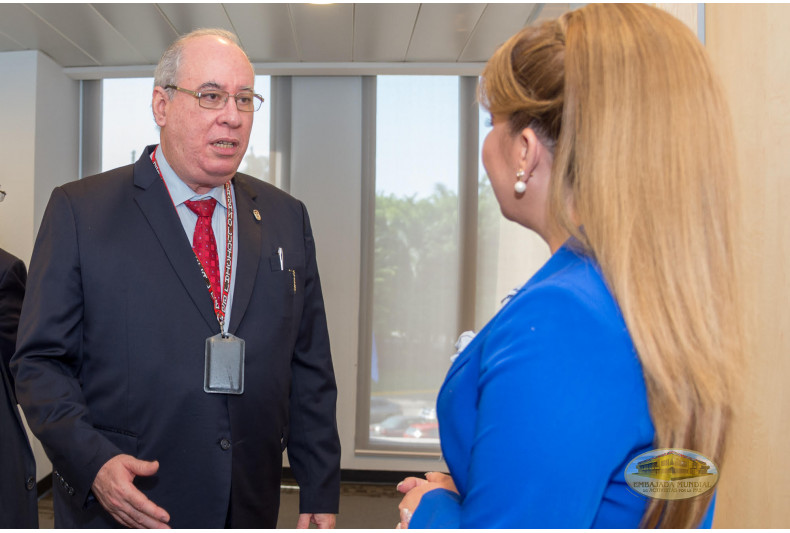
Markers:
point(569, 283)
point(565, 312)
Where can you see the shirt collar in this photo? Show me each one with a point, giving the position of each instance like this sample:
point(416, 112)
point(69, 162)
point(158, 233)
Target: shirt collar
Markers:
point(180, 191)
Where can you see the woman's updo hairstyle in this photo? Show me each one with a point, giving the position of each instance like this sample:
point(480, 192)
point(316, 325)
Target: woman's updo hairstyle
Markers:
point(525, 80)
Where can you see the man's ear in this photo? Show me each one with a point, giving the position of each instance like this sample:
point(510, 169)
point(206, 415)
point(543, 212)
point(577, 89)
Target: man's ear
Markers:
point(159, 102)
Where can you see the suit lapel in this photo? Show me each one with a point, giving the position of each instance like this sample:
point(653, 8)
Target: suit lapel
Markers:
point(249, 243)
point(154, 201)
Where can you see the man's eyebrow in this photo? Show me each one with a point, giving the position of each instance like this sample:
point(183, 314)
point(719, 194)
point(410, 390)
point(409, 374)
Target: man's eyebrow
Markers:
point(210, 85)
point(217, 86)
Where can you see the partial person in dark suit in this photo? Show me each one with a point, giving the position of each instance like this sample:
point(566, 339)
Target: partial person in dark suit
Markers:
point(164, 392)
point(18, 497)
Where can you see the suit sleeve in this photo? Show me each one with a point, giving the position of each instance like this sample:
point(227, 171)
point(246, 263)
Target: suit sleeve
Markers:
point(12, 291)
point(314, 445)
point(558, 411)
point(49, 357)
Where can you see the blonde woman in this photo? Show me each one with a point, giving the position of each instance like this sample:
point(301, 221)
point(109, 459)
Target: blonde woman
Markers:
point(611, 140)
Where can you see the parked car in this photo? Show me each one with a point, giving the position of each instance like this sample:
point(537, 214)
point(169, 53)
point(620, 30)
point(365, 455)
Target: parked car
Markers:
point(423, 430)
point(394, 426)
point(383, 408)
point(429, 413)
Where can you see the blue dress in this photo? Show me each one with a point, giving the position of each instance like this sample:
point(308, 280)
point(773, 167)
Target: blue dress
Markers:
point(543, 410)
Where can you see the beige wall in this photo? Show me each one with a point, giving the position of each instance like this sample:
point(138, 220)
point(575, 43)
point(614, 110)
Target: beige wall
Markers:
point(750, 43)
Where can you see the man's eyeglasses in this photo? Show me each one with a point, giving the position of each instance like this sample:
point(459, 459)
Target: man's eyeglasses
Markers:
point(216, 99)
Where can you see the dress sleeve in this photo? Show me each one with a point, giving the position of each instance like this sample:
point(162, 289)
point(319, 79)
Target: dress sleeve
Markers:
point(560, 406)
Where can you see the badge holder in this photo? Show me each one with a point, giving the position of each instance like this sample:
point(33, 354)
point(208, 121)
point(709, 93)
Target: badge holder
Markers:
point(224, 373)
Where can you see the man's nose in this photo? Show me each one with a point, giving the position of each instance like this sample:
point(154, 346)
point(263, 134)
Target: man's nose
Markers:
point(230, 114)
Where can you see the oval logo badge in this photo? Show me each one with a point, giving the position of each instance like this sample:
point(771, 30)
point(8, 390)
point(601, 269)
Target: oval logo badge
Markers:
point(671, 474)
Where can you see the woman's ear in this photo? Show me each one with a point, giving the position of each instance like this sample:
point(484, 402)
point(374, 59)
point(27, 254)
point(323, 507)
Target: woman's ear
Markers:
point(532, 150)
point(159, 102)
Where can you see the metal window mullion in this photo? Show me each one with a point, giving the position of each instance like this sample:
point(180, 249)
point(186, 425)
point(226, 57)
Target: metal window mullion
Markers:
point(91, 134)
point(468, 142)
point(367, 256)
point(280, 132)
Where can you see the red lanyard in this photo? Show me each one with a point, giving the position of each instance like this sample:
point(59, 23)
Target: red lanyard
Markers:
point(219, 306)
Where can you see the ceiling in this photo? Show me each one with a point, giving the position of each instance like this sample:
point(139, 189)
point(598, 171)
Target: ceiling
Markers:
point(106, 37)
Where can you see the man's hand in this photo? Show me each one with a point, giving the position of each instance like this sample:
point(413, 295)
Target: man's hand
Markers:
point(114, 489)
point(322, 520)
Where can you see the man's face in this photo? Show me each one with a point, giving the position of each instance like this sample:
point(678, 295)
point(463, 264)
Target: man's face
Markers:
point(205, 146)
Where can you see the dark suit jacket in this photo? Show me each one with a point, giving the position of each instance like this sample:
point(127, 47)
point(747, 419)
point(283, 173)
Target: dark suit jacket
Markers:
point(111, 349)
point(18, 497)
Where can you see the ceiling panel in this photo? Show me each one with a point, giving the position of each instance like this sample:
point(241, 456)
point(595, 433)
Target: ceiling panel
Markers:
point(324, 32)
point(142, 25)
point(265, 31)
point(550, 11)
point(188, 17)
point(382, 31)
point(25, 27)
point(90, 31)
point(86, 36)
point(442, 31)
point(7, 44)
point(497, 23)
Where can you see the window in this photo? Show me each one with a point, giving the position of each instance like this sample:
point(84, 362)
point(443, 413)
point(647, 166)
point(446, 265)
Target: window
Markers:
point(128, 125)
point(415, 261)
point(415, 316)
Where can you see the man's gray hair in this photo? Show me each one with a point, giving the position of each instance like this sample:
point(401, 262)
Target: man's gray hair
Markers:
point(166, 72)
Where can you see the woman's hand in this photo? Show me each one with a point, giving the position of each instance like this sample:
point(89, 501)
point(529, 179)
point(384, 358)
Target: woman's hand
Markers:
point(414, 488)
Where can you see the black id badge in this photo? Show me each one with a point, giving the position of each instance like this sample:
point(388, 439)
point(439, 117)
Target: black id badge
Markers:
point(224, 372)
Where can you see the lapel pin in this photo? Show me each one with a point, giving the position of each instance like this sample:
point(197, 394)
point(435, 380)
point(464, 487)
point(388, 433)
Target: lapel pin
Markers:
point(256, 214)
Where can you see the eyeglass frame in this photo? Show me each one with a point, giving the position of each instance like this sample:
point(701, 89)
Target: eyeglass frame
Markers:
point(199, 95)
point(2, 195)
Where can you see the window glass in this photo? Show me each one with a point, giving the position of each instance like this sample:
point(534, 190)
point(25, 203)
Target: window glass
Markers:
point(128, 125)
point(415, 303)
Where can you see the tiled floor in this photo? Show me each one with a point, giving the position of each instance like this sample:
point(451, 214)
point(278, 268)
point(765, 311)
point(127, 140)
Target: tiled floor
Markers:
point(362, 506)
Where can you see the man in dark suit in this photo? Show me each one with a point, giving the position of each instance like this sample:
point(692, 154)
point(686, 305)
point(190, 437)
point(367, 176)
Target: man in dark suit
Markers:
point(18, 497)
point(163, 391)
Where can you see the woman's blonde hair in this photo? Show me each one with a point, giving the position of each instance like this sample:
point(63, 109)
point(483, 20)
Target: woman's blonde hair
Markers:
point(644, 177)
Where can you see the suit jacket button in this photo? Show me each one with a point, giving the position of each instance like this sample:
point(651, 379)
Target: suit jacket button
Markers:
point(30, 483)
point(71, 491)
point(224, 444)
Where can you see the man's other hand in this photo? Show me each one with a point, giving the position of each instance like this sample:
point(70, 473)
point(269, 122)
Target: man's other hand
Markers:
point(322, 520)
point(115, 491)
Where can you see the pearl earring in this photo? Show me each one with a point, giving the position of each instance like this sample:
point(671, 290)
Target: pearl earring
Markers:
point(521, 186)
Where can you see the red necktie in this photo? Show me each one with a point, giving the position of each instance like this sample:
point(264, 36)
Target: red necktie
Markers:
point(203, 242)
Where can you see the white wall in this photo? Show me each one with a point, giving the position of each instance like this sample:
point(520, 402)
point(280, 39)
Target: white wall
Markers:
point(38, 142)
point(57, 133)
point(17, 151)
